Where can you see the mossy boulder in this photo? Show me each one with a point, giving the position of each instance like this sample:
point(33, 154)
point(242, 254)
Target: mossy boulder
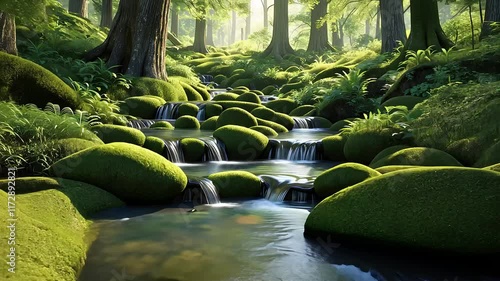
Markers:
point(302, 110)
point(273, 125)
point(225, 96)
point(363, 145)
point(282, 105)
point(191, 93)
point(388, 151)
point(154, 180)
point(339, 125)
point(236, 116)
point(271, 115)
point(187, 122)
point(242, 143)
point(408, 101)
point(168, 90)
point(269, 89)
point(249, 97)
point(490, 156)
point(265, 130)
point(210, 124)
point(394, 168)
point(448, 209)
point(23, 81)
point(212, 109)
point(321, 123)
point(417, 156)
point(236, 184)
point(154, 144)
point(193, 149)
point(162, 124)
point(69, 146)
point(114, 133)
point(342, 176)
point(188, 109)
point(143, 107)
point(333, 147)
point(248, 106)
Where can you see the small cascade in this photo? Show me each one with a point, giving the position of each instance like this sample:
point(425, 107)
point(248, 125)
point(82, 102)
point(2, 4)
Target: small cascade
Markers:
point(169, 111)
point(303, 122)
point(214, 150)
point(173, 151)
point(200, 191)
point(201, 116)
point(295, 150)
point(214, 92)
point(289, 189)
point(267, 98)
point(210, 191)
point(140, 123)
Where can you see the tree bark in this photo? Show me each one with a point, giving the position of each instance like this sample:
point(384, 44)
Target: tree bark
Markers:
point(492, 15)
point(79, 7)
point(280, 42)
point(393, 24)
point(210, 30)
point(137, 40)
point(318, 38)
point(232, 39)
point(8, 33)
point(378, 31)
point(200, 33)
point(174, 21)
point(426, 30)
point(107, 13)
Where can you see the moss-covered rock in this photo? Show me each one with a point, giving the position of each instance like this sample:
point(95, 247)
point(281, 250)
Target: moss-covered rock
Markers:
point(242, 143)
point(339, 125)
point(155, 180)
point(23, 81)
point(302, 110)
point(265, 130)
point(188, 109)
point(187, 122)
point(269, 89)
point(273, 125)
point(249, 97)
point(447, 209)
point(212, 109)
point(162, 124)
point(210, 124)
point(495, 167)
point(408, 101)
point(321, 123)
point(225, 97)
point(115, 133)
point(193, 149)
point(236, 184)
point(394, 168)
point(191, 93)
point(362, 146)
point(417, 156)
point(388, 151)
point(270, 115)
point(203, 91)
point(342, 176)
point(282, 105)
point(490, 156)
point(236, 116)
point(333, 147)
point(143, 107)
point(168, 90)
point(248, 106)
point(154, 144)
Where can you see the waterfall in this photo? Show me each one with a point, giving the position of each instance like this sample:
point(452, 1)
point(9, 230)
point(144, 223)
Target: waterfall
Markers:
point(201, 112)
point(173, 151)
point(290, 189)
point(303, 122)
point(214, 150)
point(200, 191)
point(169, 111)
point(210, 191)
point(295, 150)
point(140, 123)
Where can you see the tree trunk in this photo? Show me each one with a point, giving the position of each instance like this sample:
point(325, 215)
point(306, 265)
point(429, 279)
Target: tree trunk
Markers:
point(426, 30)
point(107, 13)
point(174, 21)
point(210, 30)
point(492, 15)
point(393, 24)
point(280, 42)
point(173, 39)
point(232, 39)
point(337, 43)
point(318, 38)
point(137, 40)
point(248, 23)
point(200, 35)
point(266, 14)
point(8, 33)
point(79, 7)
point(378, 31)
point(367, 27)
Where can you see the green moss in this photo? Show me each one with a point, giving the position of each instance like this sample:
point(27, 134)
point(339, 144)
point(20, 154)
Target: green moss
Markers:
point(143, 107)
point(212, 109)
point(322, 123)
point(265, 130)
point(69, 146)
point(191, 93)
point(155, 180)
point(168, 90)
point(282, 105)
point(495, 167)
point(249, 97)
point(115, 133)
point(257, 92)
point(302, 110)
point(362, 146)
point(162, 124)
point(225, 97)
point(210, 124)
point(248, 106)
point(188, 109)
point(23, 81)
point(236, 184)
point(394, 168)
point(331, 71)
point(187, 122)
point(337, 126)
point(219, 78)
point(203, 91)
point(193, 149)
point(388, 151)
point(333, 147)
point(242, 143)
point(417, 156)
point(408, 101)
point(273, 125)
point(292, 86)
point(270, 115)
point(236, 116)
point(154, 144)
point(342, 176)
point(408, 208)
point(490, 156)
point(268, 90)
point(242, 82)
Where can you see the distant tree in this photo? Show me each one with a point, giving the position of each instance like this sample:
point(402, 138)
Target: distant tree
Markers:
point(318, 38)
point(492, 15)
point(393, 24)
point(174, 19)
point(79, 7)
point(107, 13)
point(280, 42)
point(265, 8)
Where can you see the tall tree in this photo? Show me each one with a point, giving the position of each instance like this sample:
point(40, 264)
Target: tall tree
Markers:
point(492, 15)
point(393, 24)
point(79, 7)
point(107, 13)
point(265, 7)
point(174, 19)
point(200, 36)
point(137, 40)
point(426, 29)
point(248, 21)
point(210, 29)
point(378, 29)
point(8, 33)
point(232, 39)
point(337, 41)
point(318, 37)
point(280, 42)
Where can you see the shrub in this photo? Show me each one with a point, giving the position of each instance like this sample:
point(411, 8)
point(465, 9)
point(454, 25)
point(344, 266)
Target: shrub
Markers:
point(236, 184)
point(188, 109)
point(417, 156)
point(154, 144)
point(187, 122)
point(210, 124)
point(236, 116)
point(143, 107)
point(249, 97)
point(302, 110)
point(282, 105)
point(115, 133)
point(193, 149)
point(265, 130)
point(333, 147)
point(162, 124)
point(242, 144)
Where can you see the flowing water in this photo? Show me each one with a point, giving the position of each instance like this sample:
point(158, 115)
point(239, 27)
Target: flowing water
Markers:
point(295, 150)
